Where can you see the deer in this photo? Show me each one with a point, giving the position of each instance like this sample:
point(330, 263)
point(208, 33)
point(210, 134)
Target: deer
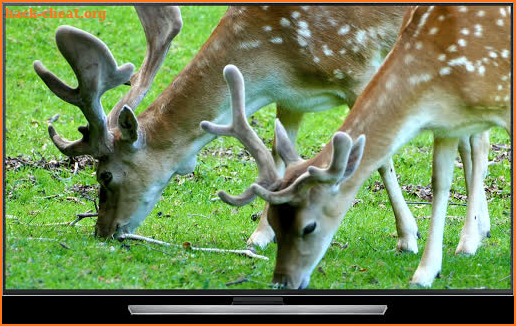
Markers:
point(448, 72)
point(139, 155)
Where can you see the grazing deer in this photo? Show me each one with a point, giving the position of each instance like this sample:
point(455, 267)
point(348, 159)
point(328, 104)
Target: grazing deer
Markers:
point(449, 72)
point(305, 59)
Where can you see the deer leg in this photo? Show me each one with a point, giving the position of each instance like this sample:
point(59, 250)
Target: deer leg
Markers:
point(405, 223)
point(291, 121)
point(445, 150)
point(477, 224)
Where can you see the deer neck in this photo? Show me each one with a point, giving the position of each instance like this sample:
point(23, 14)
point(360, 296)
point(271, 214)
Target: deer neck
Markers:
point(199, 93)
point(387, 119)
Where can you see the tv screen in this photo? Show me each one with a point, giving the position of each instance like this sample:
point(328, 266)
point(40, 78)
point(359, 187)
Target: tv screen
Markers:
point(122, 125)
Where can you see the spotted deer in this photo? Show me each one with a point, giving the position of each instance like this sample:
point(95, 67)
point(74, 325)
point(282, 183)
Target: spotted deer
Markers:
point(449, 72)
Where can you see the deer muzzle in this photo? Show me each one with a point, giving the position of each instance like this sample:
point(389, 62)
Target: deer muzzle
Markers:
point(291, 281)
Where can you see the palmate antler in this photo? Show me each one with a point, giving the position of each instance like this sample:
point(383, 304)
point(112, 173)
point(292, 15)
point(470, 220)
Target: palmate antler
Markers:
point(97, 72)
point(268, 181)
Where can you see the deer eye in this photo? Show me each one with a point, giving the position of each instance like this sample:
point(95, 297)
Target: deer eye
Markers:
point(106, 177)
point(309, 228)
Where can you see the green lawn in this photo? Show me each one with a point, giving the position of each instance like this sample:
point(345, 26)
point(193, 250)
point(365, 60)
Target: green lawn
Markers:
point(41, 256)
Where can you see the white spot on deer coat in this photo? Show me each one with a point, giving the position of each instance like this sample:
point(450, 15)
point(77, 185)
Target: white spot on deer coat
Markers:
point(465, 31)
point(493, 54)
point(317, 60)
point(433, 30)
point(452, 48)
point(250, 45)
point(327, 51)
point(499, 22)
point(409, 58)
point(462, 42)
point(462, 61)
point(463, 9)
point(505, 53)
point(267, 28)
point(419, 45)
point(295, 14)
point(481, 13)
point(301, 41)
point(361, 36)
point(441, 57)
point(264, 7)
point(422, 22)
point(478, 30)
point(502, 12)
point(303, 29)
point(445, 71)
point(391, 82)
point(277, 40)
point(284, 22)
point(344, 30)
point(338, 74)
point(418, 79)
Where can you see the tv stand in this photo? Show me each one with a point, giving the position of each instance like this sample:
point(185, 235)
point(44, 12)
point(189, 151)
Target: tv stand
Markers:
point(257, 306)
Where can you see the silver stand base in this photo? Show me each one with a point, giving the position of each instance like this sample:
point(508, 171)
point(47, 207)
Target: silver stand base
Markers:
point(257, 309)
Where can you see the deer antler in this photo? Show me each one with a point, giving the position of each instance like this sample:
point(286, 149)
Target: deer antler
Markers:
point(339, 169)
point(97, 72)
point(161, 25)
point(240, 129)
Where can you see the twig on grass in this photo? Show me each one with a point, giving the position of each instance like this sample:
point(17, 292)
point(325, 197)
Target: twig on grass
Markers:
point(246, 252)
point(49, 197)
point(240, 281)
point(82, 216)
point(75, 169)
point(429, 203)
point(149, 247)
point(73, 223)
point(200, 215)
point(31, 238)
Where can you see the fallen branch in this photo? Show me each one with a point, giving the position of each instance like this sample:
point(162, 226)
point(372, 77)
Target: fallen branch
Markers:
point(31, 238)
point(246, 252)
point(240, 281)
point(200, 215)
point(149, 247)
point(82, 216)
point(75, 169)
point(429, 203)
point(49, 197)
point(73, 223)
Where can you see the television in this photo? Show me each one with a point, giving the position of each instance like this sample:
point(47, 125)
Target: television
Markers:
point(77, 205)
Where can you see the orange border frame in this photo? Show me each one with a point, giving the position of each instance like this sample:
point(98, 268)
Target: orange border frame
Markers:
point(223, 2)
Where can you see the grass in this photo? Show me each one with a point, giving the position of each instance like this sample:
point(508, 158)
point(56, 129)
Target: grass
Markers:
point(71, 258)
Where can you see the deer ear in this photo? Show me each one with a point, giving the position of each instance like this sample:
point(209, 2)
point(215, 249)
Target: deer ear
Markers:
point(128, 124)
point(355, 156)
point(284, 146)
